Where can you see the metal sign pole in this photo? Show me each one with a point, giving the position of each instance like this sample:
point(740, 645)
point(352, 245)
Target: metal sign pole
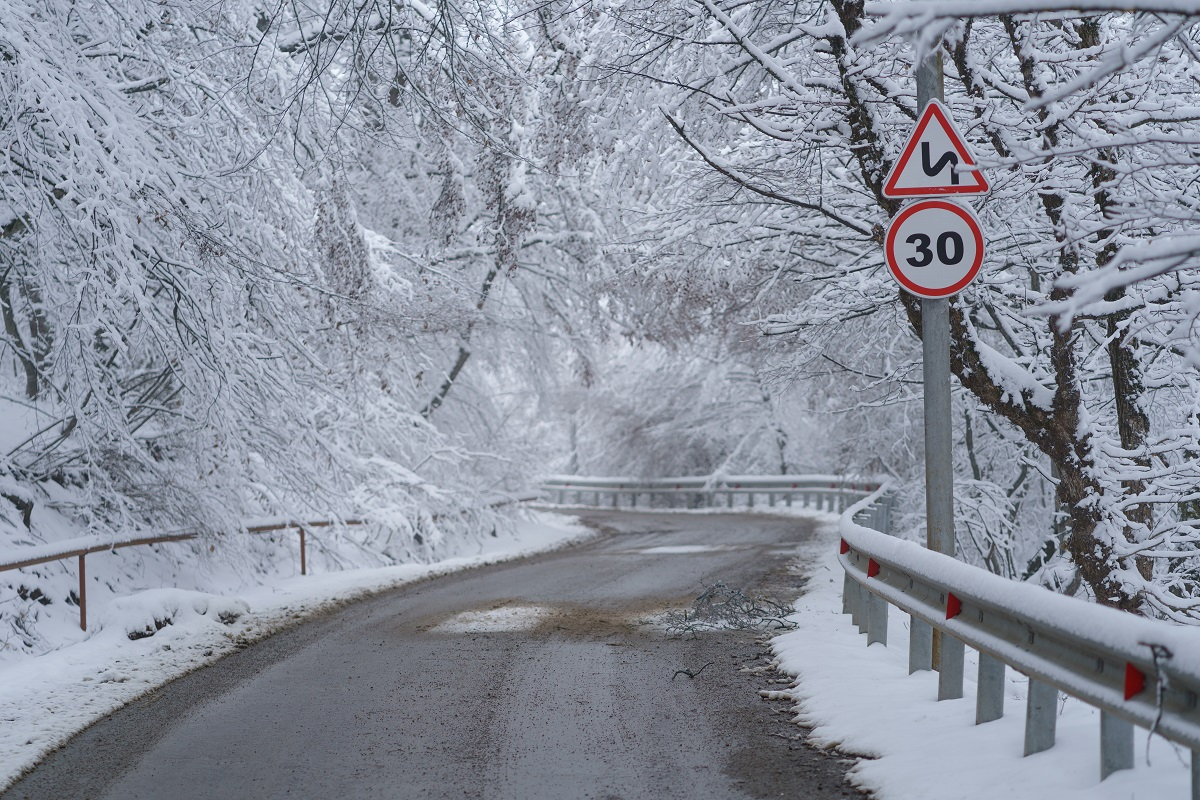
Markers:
point(935, 338)
point(947, 653)
point(939, 476)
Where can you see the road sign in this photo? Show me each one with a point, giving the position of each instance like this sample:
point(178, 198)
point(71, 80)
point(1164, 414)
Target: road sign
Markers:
point(934, 248)
point(935, 160)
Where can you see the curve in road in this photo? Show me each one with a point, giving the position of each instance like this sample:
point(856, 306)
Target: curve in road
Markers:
point(542, 678)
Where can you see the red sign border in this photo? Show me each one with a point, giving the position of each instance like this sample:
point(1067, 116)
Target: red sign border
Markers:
point(890, 242)
point(934, 109)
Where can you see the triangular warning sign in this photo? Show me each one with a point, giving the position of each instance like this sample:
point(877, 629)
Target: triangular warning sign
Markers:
point(935, 160)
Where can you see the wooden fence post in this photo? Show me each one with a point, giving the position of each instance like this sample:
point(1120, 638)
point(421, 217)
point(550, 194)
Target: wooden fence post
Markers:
point(82, 593)
point(303, 558)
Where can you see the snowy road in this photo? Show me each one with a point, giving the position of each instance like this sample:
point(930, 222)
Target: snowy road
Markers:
point(530, 679)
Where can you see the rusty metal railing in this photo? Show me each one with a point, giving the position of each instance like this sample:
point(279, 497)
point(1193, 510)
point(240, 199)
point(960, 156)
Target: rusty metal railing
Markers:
point(82, 548)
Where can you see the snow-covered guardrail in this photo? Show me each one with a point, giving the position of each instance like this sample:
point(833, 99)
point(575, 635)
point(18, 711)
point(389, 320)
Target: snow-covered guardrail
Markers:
point(84, 546)
point(1137, 671)
point(825, 492)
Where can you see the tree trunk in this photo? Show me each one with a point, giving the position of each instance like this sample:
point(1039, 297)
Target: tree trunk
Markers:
point(31, 349)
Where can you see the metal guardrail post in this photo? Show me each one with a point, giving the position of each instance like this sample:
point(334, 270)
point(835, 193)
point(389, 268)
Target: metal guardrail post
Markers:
point(1116, 744)
point(950, 676)
point(989, 699)
point(847, 588)
point(862, 608)
point(1041, 716)
point(850, 601)
point(877, 610)
point(1196, 775)
point(920, 645)
point(856, 610)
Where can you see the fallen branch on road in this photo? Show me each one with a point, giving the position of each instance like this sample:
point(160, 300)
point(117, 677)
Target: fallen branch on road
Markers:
point(720, 608)
point(689, 673)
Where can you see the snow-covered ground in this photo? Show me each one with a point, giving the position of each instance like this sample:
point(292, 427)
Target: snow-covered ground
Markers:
point(863, 701)
point(47, 698)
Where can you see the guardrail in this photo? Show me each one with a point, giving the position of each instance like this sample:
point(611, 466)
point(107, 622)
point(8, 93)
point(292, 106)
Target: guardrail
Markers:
point(824, 492)
point(1137, 671)
point(82, 547)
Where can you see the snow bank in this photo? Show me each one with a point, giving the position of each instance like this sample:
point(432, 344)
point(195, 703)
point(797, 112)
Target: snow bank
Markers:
point(144, 614)
point(862, 701)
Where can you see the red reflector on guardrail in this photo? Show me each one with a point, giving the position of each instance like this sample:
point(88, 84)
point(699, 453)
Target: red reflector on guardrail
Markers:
point(844, 548)
point(872, 568)
point(953, 606)
point(1135, 681)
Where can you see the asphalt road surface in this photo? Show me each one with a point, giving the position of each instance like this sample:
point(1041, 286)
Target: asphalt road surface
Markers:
point(533, 679)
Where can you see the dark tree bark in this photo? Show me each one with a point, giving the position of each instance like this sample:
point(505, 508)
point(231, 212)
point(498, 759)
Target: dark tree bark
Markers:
point(31, 346)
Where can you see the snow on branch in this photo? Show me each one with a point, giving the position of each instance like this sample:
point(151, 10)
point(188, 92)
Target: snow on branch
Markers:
point(1134, 264)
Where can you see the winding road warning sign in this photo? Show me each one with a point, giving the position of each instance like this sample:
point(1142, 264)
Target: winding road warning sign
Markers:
point(935, 160)
point(934, 248)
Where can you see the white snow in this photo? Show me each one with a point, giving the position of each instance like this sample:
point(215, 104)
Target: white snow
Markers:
point(494, 620)
point(44, 700)
point(862, 701)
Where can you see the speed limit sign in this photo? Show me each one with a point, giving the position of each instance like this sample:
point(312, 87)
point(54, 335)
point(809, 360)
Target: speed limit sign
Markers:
point(934, 248)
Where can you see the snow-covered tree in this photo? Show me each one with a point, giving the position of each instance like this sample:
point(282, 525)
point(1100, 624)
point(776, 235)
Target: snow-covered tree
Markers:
point(801, 108)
